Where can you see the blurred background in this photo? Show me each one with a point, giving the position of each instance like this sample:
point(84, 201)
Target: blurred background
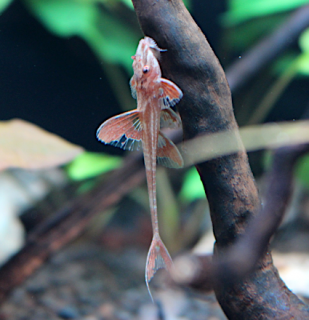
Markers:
point(65, 66)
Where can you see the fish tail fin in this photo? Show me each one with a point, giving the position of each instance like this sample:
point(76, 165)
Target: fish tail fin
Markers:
point(158, 257)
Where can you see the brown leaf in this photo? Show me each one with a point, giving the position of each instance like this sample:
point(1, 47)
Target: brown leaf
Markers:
point(27, 146)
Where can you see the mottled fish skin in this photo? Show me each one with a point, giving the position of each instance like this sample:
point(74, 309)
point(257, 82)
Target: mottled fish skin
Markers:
point(155, 96)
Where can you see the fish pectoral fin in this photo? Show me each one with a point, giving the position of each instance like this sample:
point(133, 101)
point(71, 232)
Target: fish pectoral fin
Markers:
point(157, 258)
point(169, 119)
point(123, 131)
point(168, 154)
point(171, 94)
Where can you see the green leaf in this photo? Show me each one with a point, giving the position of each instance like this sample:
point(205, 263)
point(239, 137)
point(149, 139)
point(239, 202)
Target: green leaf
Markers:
point(113, 41)
point(128, 3)
point(267, 159)
point(192, 188)
point(242, 10)
point(303, 64)
point(292, 60)
point(302, 170)
point(187, 3)
point(284, 62)
point(90, 164)
point(304, 41)
point(4, 4)
point(240, 37)
point(109, 37)
point(65, 17)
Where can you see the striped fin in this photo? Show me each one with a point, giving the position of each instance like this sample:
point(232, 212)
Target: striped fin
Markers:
point(169, 119)
point(123, 131)
point(170, 92)
point(168, 154)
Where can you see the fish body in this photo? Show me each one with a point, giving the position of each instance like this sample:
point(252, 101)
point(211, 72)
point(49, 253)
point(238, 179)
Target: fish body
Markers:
point(155, 96)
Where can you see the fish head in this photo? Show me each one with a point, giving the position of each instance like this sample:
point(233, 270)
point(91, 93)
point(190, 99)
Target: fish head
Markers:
point(145, 61)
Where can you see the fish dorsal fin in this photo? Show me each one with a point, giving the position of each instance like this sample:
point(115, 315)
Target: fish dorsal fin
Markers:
point(171, 94)
point(133, 88)
point(123, 131)
point(168, 154)
point(169, 119)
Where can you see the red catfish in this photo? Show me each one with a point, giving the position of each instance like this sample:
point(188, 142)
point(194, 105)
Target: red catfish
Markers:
point(128, 130)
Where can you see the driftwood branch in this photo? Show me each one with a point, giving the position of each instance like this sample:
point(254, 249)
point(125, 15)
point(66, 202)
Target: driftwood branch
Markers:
point(241, 257)
point(233, 198)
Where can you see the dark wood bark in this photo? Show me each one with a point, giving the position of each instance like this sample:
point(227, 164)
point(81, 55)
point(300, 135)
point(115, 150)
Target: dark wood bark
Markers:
point(241, 257)
point(233, 198)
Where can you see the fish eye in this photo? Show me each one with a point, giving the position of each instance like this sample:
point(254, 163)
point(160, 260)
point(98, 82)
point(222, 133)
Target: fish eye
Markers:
point(145, 69)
